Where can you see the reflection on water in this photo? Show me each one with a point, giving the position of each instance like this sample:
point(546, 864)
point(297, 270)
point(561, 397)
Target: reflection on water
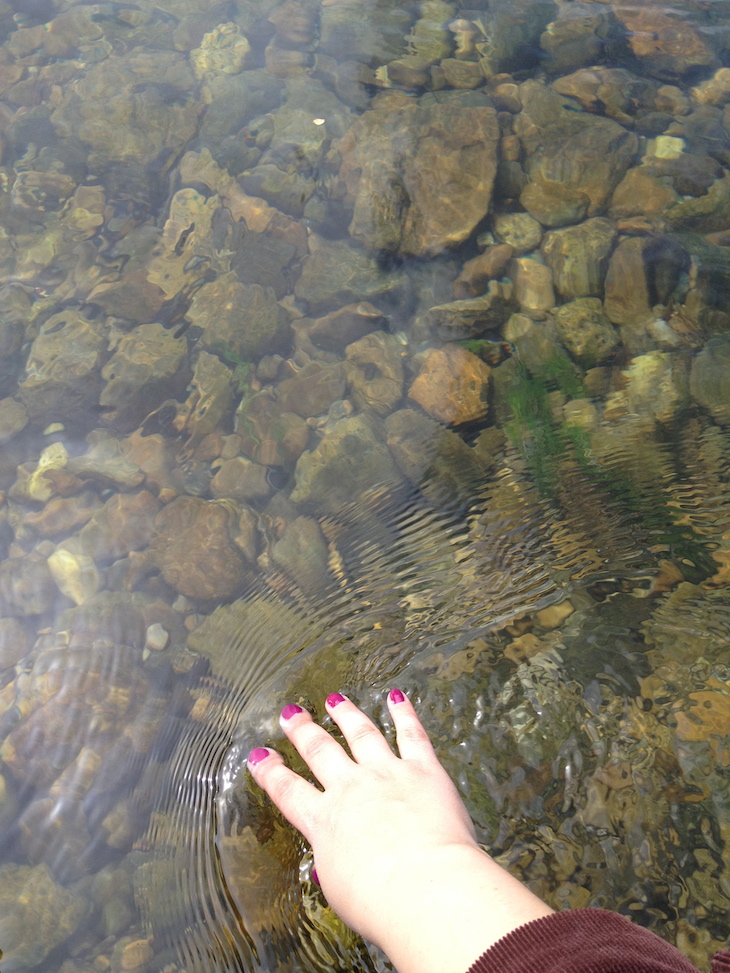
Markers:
point(345, 343)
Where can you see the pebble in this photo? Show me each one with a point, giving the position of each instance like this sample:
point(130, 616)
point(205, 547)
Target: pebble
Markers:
point(157, 637)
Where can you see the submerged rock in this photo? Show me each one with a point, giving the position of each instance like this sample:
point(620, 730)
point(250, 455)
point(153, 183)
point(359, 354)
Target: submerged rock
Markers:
point(147, 366)
point(397, 163)
point(710, 379)
point(351, 460)
point(472, 317)
point(243, 319)
point(578, 257)
point(374, 368)
point(193, 550)
point(452, 385)
point(585, 331)
point(570, 155)
point(62, 381)
point(30, 899)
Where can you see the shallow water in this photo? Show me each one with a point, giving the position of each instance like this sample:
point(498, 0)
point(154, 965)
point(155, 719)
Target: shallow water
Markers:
point(343, 346)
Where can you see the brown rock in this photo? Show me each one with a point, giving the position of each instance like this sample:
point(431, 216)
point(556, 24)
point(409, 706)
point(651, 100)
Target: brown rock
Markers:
point(312, 390)
point(63, 516)
point(384, 157)
point(124, 524)
point(193, 550)
point(642, 191)
point(269, 436)
point(336, 330)
point(452, 385)
point(578, 257)
point(668, 47)
point(626, 300)
point(476, 273)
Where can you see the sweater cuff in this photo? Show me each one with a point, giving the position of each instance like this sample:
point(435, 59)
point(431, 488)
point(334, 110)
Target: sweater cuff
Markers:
point(582, 941)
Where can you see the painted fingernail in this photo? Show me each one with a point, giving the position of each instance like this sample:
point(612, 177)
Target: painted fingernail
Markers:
point(291, 709)
point(257, 755)
point(315, 876)
point(396, 696)
point(334, 699)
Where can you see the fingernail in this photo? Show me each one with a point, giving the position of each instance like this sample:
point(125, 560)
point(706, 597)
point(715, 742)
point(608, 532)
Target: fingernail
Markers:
point(334, 699)
point(396, 696)
point(257, 755)
point(291, 709)
point(315, 876)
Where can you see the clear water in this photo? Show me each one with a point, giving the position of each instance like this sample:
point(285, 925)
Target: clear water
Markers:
point(214, 502)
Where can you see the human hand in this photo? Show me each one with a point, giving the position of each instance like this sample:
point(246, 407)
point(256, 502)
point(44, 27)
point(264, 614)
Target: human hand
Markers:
point(394, 847)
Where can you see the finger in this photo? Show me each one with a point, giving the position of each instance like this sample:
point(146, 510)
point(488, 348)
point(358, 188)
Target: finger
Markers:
point(321, 752)
point(413, 741)
point(295, 797)
point(367, 744)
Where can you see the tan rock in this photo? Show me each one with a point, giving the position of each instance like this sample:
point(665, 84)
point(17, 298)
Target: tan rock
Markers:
point(452, 385)
point(62, 516)
point(240, 479)
point(533, 284)
point(642, 192)
point(555, 615)
point(136, 954)
point(374, 368)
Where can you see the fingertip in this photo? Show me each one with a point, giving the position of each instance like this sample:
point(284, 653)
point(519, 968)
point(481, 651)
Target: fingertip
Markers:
point(396, 696)
point(257, 755)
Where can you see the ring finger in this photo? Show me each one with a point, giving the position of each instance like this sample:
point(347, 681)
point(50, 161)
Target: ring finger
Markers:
point(367, 744)
point(322, 754)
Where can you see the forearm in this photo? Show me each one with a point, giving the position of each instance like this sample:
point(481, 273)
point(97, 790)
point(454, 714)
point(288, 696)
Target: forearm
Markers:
point(459, 906)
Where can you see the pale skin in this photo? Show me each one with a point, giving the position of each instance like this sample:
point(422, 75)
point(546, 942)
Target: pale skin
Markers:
point(394, 847)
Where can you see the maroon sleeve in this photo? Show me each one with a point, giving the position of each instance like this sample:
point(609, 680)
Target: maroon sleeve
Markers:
point(586, 941)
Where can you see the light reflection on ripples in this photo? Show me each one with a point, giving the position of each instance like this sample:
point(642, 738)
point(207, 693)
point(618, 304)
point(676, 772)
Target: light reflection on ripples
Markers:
point(411, 582)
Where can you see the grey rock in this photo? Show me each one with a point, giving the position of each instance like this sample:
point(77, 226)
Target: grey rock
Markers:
point(13, 418)
point(62, 381)
point(709, 380)
point(433, 458)
point(513, 30)
point(372, 31)
point(519, 230)
point(26, 586)
point(350, 461)
point(576, 37)
point(312, 390)
point(234, 99)
point(105, 463)
point(374, 368)
point(14, 642)
point(335, 274)
point(147, 367)
point(302, 553)
point(244, 319)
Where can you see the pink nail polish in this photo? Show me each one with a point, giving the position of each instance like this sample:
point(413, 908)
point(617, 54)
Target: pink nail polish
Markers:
point(291, 709)
point(334, 699)
point(257, 755)
point(315, 876)
point(396, 696)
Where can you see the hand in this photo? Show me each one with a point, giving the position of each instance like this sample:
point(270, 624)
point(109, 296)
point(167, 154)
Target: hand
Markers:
point(394, 847)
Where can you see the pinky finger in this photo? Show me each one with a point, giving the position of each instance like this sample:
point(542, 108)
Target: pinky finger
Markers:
point(295, 797)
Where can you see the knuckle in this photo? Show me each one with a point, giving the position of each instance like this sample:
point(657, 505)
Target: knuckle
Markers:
point(313, 746)
point(281, 787)
point(363, 731)
point(414, 733)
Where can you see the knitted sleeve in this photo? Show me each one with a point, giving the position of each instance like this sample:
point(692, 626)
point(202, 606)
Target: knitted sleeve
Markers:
point(586, 941)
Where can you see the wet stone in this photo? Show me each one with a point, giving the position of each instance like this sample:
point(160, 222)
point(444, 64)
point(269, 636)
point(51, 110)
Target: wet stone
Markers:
point(477, 272)
point(148, 365)
point(373, 31)
point(26, 586)
point(533, 284)
point(627, 301)
point(568, 155)
point(240, 479)
point(193, 550)
point(351, 460)
point(124, 524)
point(384, 157)
point(666, 48)
point(61, 381)
point(31, 899)
point(374, 369)
point(244, 319)
point(13, 418)
point(335, 274)
point(231, 100)
point(105, 463)
point(710, 379)
point(472, 317)
point(14, 642)
point(519, 230)
point(585, 331)
point(74, 572)
point(452, 385)
point(576, 37)
point(578, 257)
point(340, 328)
point(63, 515)
point(301, 552)
point(433, 458)
point(312, 390)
